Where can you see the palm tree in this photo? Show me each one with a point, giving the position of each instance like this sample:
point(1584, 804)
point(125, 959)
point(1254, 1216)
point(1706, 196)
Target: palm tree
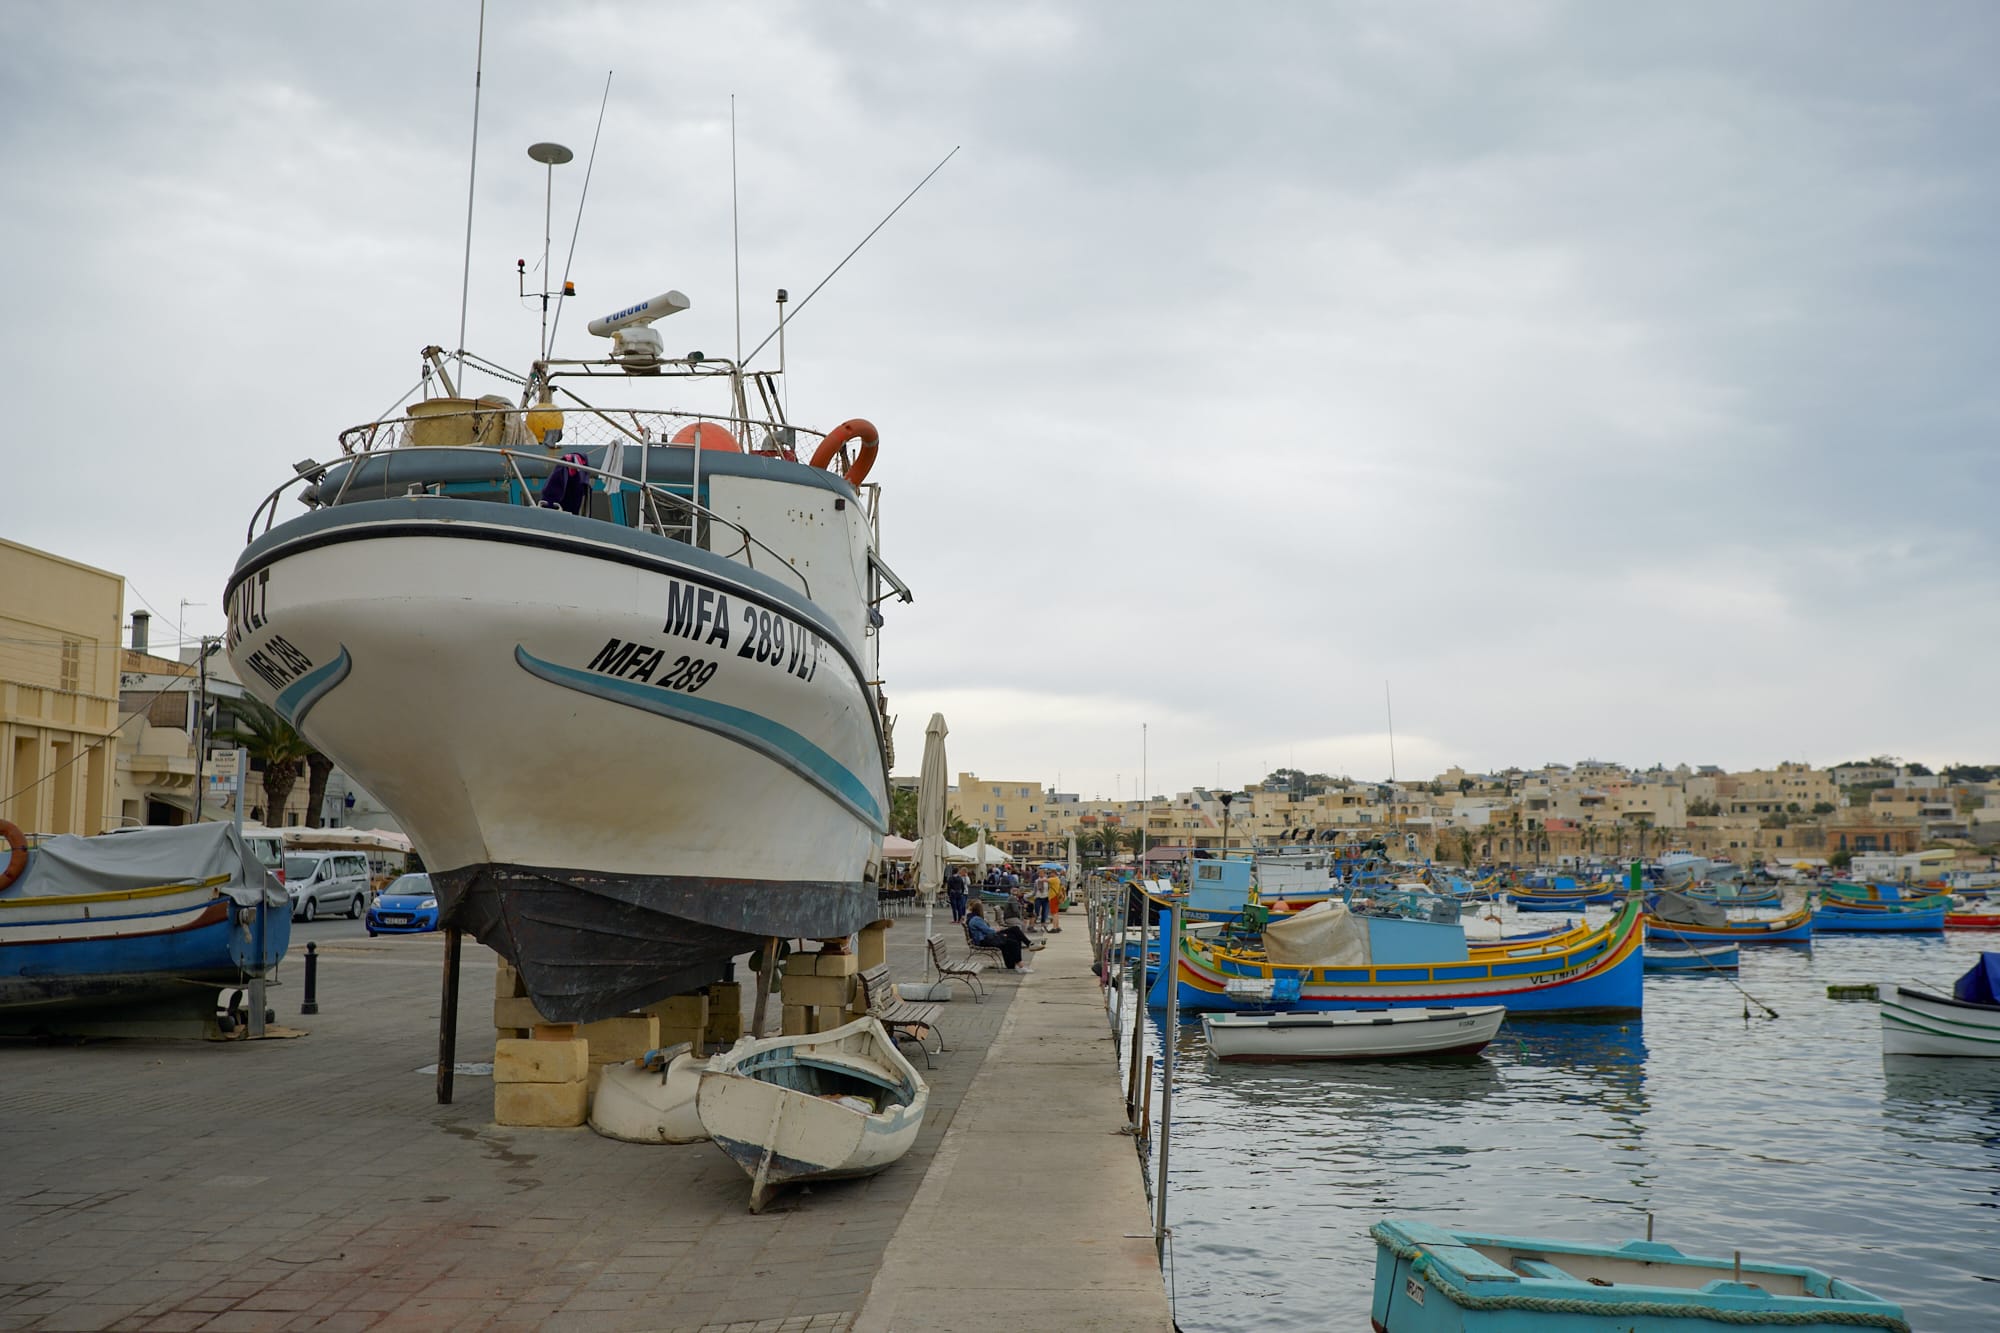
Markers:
point(280, 751)
point(1644, 822)
point(903, 812)
point(318, 770)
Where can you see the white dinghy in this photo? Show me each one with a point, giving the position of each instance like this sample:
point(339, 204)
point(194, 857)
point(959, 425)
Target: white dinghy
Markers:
point(1964, 1023)
point(650, 1100)
point(826, 1106)
point(1352, 1034)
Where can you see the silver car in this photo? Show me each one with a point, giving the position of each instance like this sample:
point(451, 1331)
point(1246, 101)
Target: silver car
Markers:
point(326, 883)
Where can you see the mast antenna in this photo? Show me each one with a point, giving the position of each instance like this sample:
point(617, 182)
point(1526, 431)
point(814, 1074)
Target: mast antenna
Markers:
point(736, 238)
point(1390, 708)
point(471, 180)
point(563, 291)
point(857, 249)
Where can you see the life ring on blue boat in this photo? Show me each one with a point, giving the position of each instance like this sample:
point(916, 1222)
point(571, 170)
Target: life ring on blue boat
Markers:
point(17, 862)
point(854, 428)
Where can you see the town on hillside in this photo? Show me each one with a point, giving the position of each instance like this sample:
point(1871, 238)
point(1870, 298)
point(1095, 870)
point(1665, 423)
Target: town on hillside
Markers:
point(1791, 816)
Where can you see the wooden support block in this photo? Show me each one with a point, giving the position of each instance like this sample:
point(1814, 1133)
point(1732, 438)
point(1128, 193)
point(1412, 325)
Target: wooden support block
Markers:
point(872, 948)
point(512, 1034)
point(626, 1038)
point(516, 1012)
point(546, 1105)
point(797, 1020)
point(674, 1036)
point(507, 983)
point(541, 1061)
point(724, 1029)
point(680, 1010)
point(556, 1031)
point(826, 964)
point(815, 990)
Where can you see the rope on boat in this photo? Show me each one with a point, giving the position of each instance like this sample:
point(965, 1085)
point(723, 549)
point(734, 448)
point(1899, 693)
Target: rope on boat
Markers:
point(1423, 1266)
point(1748, 998)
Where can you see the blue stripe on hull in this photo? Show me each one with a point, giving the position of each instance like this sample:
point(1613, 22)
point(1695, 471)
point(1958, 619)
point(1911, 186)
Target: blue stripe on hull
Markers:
point(771, 739)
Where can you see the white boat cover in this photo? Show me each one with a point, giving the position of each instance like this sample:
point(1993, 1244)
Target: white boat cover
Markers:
point(190, 854)
point(1324, 935)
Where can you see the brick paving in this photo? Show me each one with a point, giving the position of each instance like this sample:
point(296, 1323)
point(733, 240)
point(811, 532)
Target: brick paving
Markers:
point(315, 1183)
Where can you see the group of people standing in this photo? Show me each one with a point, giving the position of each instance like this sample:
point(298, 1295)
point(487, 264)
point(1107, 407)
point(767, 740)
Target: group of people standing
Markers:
point(1041, 898)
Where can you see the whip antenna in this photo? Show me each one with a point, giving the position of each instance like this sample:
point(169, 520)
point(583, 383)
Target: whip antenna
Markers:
point(735, 237)
point(589, 163)
point(857, 249)
point(472, 179)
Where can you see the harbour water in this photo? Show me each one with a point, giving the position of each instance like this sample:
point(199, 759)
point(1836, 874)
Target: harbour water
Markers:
point(1790, 1138)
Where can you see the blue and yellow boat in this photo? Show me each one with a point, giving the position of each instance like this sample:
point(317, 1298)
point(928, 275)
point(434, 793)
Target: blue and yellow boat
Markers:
point(1591, 970)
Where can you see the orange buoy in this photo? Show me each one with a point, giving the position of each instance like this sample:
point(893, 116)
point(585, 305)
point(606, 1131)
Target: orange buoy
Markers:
point(709, 435)
point(18, 861)
point(854, 428)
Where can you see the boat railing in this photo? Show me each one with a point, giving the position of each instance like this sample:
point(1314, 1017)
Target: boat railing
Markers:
point(496, 423)
point(660, 510)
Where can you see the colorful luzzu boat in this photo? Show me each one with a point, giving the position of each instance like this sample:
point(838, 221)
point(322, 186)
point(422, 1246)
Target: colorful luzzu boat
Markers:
point(134, 924)
point(1422, 963)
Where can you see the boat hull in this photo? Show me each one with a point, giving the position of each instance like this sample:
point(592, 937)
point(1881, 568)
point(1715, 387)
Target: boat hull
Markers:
point(1792, 928)
point(787, 1135)
point(1833, 920)
point(1599, 973)
point(1914, 1023)
point(1351, 1035)
point(624, 759)
point(1700, 958)
point(1432, 1280)
point(153, 948)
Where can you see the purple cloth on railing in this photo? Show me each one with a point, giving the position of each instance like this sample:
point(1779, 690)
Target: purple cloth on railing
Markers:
point(567, 486)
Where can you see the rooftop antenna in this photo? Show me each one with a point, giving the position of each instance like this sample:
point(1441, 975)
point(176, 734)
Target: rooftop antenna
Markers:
point(855, 251)
point(471, 179)
point(589, 164)
point(551, 156)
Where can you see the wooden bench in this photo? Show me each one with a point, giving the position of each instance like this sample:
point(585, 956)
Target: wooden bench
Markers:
point(902, 1018)
point(965, 969)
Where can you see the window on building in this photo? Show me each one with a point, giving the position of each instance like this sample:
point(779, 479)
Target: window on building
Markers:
point(72, 664)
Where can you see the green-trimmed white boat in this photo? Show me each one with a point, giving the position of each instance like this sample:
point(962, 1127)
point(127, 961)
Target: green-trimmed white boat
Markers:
point(1432, 1280)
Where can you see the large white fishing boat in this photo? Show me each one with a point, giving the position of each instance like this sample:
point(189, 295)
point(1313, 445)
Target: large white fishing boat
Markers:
point(613, 669)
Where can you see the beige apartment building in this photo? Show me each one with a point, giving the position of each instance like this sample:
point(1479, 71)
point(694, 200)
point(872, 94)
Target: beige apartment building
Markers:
point(59, 628)
point(1012, 806)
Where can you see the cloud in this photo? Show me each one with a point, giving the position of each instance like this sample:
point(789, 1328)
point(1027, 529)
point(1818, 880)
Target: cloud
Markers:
point(1609, 381)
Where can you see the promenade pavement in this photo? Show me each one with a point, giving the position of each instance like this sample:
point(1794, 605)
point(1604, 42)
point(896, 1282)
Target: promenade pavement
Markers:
point(1033, 1213)
point(314, 1183)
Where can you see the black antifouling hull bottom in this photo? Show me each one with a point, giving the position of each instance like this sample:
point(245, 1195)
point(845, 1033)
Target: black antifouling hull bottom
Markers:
point(591, 944)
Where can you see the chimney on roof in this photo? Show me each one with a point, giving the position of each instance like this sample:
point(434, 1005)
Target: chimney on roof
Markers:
point(142, 624)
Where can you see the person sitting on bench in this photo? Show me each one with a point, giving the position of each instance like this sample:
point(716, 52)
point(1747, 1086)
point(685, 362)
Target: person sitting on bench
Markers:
point(1010, 942)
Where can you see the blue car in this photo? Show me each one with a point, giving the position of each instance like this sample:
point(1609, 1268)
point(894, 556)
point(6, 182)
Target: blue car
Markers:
point(406, 907)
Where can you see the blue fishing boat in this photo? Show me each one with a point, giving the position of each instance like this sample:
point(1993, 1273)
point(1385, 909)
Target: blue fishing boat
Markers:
point(1564, 899)
point(1432, 1280)
point(129, 923)
point(1674, 916)
point(1831, 918)
point(1674, 956)
point(1737, 895)
point(1344, 960)
point(1867, 897)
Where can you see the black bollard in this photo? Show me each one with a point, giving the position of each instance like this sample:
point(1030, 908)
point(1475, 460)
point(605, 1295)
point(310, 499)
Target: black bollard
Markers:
point(310, 1005)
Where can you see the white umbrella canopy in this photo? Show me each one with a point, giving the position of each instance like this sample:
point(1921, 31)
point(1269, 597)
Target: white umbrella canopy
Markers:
point(957, 855)
point(1070, 870)
point(898, 849)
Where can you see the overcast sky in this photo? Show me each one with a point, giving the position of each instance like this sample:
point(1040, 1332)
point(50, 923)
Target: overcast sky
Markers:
point(1611, 380)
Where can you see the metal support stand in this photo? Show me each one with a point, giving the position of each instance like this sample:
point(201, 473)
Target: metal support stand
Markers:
point(1170, 940)
point(448, 1017)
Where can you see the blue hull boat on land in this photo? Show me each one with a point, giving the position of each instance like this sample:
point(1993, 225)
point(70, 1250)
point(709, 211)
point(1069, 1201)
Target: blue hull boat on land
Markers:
point(132, 924)
point(1431, 1280)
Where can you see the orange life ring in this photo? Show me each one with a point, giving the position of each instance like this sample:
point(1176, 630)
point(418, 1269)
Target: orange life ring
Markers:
point(851, 429)
point(19, 860)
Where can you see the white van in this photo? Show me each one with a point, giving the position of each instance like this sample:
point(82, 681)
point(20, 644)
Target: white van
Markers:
point(325, 883)
point(268, 846)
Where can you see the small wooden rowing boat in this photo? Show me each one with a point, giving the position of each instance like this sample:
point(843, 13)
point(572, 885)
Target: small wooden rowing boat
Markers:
point(1966, 1022)
point(824, 1106)
point(1432, 1280)
point(1352, 1034)
point(1672, 956)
